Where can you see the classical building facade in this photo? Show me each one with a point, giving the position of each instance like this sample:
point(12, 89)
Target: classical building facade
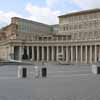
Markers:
point(76, 39)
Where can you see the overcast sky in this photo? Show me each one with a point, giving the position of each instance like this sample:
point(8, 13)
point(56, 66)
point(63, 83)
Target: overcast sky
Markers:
point(45, 11)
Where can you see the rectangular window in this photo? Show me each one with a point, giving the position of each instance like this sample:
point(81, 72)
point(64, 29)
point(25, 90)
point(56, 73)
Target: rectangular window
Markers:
point(69, 37)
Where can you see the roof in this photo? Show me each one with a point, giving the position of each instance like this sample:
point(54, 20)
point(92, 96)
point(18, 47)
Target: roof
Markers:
point(5, 27)
point(31, 21)
point(81, 12)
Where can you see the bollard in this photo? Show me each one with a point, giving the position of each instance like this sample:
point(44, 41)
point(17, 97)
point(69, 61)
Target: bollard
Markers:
point(96, 68)
point(22, 72)
point(44, 72)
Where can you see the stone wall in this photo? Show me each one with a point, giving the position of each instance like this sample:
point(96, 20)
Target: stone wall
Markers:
point(4, 52)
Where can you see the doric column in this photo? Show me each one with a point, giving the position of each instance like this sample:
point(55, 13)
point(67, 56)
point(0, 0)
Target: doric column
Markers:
point(52, 55)
point(62, 52)
point(11, 52)
point(37, 53)
point(76, 54)
point(12, 49)
point(8, 53)
point(90, 53)
point(57, 53)
point(47, 53)
point(81, 54)
point(71, 53)
point(42, 53)
point(27, 51)
point(95, 53)
point(67, 54)
point(20, 53)
point(86, 53)
point(33, 53)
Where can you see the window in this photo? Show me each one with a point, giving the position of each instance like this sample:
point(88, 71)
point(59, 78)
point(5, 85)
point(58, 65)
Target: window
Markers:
point(69, 37)
point(49, 38)
point(40, 38)
point(45, 38)
point(59, 37)
point(64, 37)
point(64, 28)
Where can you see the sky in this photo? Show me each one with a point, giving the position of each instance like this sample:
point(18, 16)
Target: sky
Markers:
point(44, 11)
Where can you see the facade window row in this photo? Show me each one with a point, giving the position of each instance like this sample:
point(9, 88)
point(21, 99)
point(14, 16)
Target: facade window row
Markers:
point(76, 26)
point(83, 17)
point(86, 35)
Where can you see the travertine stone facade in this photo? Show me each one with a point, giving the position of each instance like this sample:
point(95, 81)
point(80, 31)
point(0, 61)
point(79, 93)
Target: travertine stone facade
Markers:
point(75, 40)
point(81, 26)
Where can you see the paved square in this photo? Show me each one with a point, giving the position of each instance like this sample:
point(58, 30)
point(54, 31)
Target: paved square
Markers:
point(64, 82)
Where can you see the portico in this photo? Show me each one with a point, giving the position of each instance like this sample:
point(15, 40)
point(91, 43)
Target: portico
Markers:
point(61, 52)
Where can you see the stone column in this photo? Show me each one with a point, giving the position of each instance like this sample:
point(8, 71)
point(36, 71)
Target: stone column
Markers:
point(33, 53)
point(76, 54)
point(62, 52)
point(90, 53)
point(81, 54)
point(57, 53)
point(47, 53)
point(28, 51)
point(42, 53)
point(86, 53)
point(11, 52)
point(95, 53)
point(12, 49)
point(37, 53)
point(71, 53)
point(20, 53)
point(52, 55)
point(67, 54)
point(8, 52)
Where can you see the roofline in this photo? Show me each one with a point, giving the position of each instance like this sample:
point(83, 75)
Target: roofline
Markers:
point(80, 12)
point(32, 21)
point(7, 26)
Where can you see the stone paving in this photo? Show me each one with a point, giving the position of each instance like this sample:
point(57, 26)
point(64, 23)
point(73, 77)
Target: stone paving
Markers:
point(64, 82)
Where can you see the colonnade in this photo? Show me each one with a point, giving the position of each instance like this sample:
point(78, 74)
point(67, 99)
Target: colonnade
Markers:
point(68, 54)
